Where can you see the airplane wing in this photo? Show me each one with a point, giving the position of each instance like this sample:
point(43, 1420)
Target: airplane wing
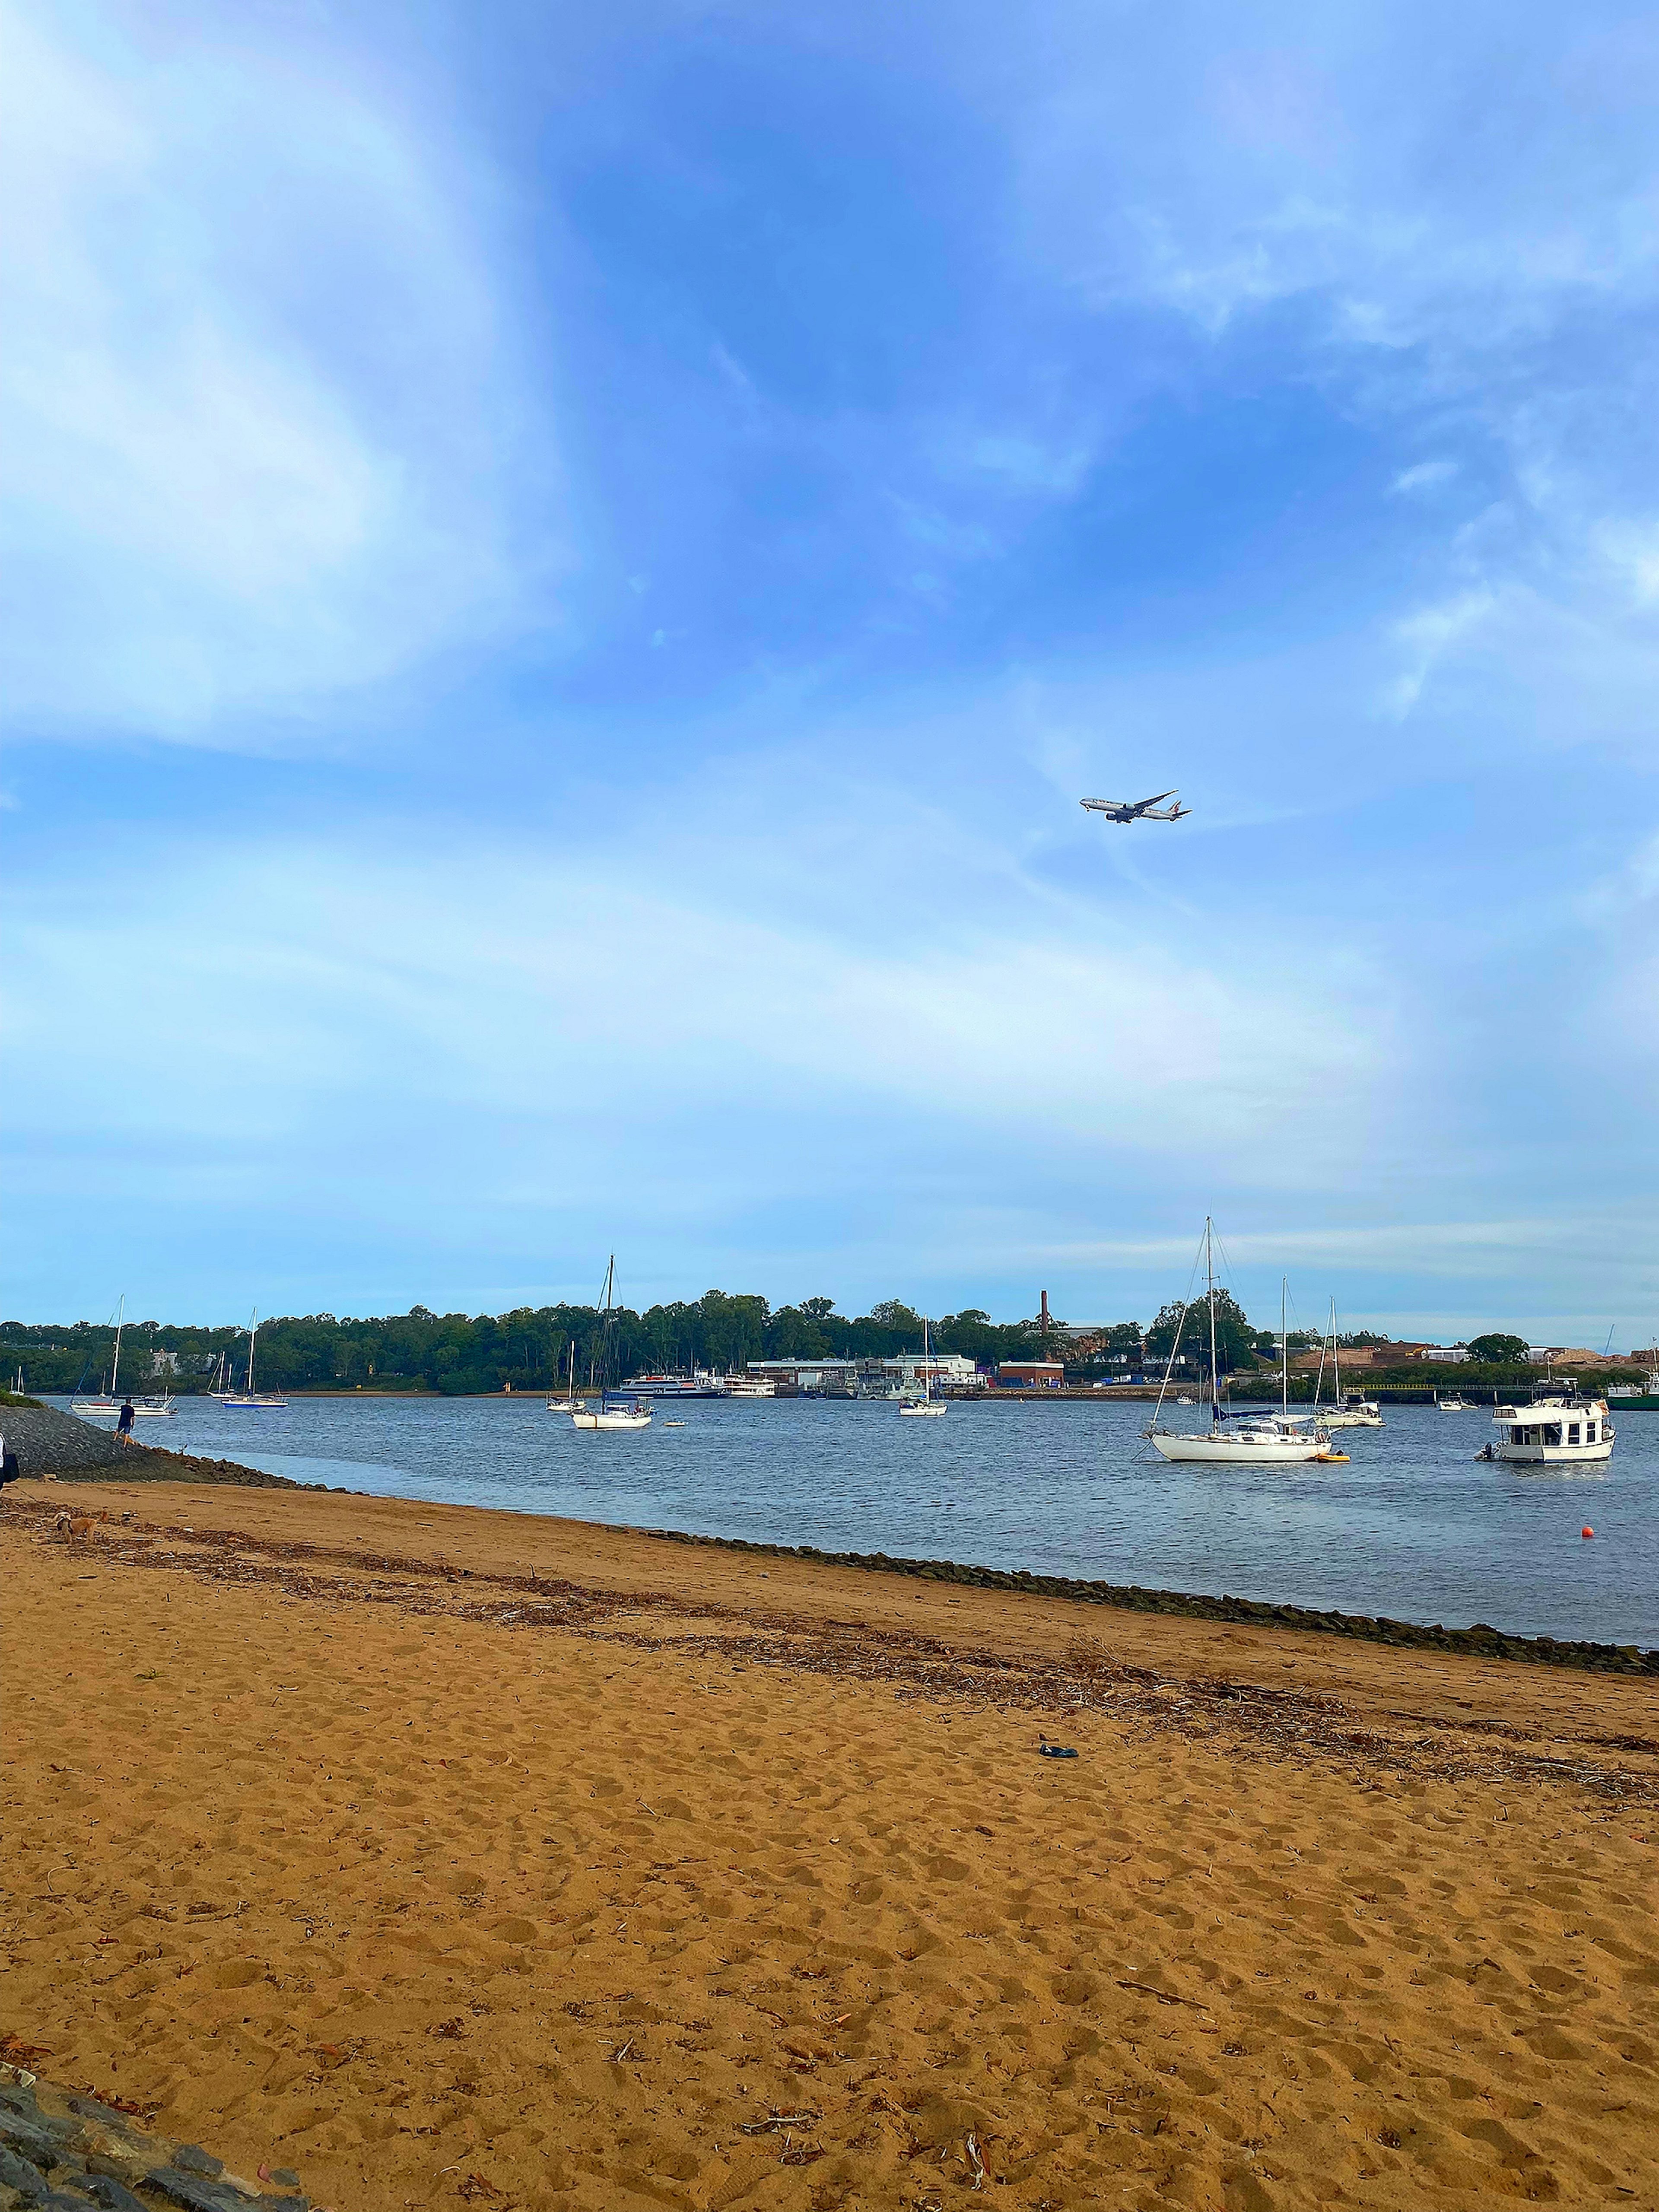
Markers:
point(1157, 797)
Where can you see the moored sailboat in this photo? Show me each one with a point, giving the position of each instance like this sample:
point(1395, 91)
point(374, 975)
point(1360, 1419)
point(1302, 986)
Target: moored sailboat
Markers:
point(247, 1399)
point(1250, 1439)
point(928, 1403)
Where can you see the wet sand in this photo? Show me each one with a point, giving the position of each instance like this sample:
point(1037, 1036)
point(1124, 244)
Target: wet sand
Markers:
point(459, 1857)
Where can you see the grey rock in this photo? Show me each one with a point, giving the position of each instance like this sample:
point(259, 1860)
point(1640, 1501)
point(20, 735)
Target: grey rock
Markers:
point(194, 2160)
point(28, 2183)
point(104, 2190)
point(194, 2193)
point(30, 2133)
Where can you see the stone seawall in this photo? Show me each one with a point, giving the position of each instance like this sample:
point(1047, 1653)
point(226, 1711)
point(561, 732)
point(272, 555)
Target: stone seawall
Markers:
point(47, 1441)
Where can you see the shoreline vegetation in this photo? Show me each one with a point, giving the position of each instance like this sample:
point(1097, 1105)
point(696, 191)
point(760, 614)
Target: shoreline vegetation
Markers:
point(453, 1857)
point(422, 1353)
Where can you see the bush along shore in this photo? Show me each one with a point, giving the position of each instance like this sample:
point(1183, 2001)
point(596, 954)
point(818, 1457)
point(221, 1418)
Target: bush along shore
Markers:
point(1479, 1641)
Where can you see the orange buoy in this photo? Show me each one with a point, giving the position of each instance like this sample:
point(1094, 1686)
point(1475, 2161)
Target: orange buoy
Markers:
point(1586, 1532)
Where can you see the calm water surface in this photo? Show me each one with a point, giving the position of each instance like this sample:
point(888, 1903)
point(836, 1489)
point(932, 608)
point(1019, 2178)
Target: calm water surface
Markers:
point(1415, 1527)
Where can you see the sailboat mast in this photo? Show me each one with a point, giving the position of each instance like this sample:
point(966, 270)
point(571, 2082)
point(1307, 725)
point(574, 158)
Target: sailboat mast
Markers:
point(1283, 1347)
point(120, 1316)
point(926, 1365)
point(252, 1323)
point(1336, 1361)
point(1209, 1277)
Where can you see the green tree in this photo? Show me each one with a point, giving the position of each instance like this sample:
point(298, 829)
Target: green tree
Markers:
point(1496, 1348)
point(1235, 1335)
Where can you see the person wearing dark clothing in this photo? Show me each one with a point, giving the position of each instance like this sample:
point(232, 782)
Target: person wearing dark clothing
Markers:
point(10, 1470)
point(124, 1426)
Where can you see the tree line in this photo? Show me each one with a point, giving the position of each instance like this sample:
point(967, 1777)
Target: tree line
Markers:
point(531, 1348)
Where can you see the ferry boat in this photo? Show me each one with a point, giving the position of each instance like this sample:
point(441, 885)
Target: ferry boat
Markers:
point(751, 1385)
point(1636, 1398)
point(1557, 1429)
point(702, 1384)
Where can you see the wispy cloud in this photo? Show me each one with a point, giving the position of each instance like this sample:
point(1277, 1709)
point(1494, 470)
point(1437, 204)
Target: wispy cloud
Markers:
point(263, 422)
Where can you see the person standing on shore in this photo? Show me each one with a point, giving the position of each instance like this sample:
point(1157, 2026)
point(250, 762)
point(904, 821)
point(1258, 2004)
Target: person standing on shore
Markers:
point(124, 1426)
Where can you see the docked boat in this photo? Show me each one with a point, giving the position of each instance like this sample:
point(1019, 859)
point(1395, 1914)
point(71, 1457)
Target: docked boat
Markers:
point(1636, 1397)
point(1245, 1439)
point(751, 1385)
point(1557, 1429)
point(702, 1384)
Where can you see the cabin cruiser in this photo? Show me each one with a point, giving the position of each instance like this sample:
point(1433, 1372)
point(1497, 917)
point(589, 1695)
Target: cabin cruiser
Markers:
point(1557, 1429)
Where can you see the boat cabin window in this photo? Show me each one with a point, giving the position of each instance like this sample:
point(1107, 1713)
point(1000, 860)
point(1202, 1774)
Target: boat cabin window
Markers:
point(1572, 1433)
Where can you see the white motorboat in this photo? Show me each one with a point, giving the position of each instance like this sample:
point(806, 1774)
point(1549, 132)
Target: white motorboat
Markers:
point(928, 1404)
point(1452, 1405)
point(1249, 1440)
point(1557, 1429)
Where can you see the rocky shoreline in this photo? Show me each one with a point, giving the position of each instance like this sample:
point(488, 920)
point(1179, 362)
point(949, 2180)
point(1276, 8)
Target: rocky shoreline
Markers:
point(1479, 1641)
point(59, 2147)
point(59, 1448)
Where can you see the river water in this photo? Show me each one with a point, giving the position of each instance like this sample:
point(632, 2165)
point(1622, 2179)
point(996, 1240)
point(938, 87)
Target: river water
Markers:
point(1415, 1527)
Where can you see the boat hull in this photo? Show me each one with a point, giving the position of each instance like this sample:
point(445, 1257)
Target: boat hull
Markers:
point(923, 1412)
point(611, 1420)
point(1552, 1455)
point(1235, 1451)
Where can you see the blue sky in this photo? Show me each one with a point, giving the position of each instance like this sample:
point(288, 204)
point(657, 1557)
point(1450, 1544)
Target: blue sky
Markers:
point(569, 569)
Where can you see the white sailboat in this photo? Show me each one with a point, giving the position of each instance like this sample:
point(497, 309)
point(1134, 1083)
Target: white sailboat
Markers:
point(248, 1400)
point(105, 1405)
point(151, 1406)
point(617, 1409)
point(1352, 1411)
point(928, 1403)
point(1247, 1440)
point(614, 1411)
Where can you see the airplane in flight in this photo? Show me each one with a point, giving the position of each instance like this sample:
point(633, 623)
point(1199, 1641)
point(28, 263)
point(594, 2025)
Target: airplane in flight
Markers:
point(1138, 810)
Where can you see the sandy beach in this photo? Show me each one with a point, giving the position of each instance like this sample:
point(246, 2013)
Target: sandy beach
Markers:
point(453, 1857)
